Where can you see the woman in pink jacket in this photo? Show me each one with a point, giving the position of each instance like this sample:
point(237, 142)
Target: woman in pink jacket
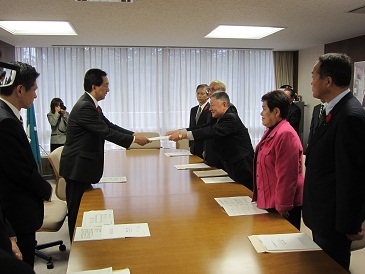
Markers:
point(278, 179)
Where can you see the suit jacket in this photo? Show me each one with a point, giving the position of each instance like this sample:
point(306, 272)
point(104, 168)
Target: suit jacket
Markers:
point(6, 231)
point(58, 126)
point(334, 187)
point(294, 116)
point(314, 121)
point(82, 157)
point(197, 147)
point(233, 144)
point(22, 188)
point(278, 169)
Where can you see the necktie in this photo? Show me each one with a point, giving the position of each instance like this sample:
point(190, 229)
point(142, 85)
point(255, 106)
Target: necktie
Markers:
point(99, 110)
point(198, 114)
point(322, 115)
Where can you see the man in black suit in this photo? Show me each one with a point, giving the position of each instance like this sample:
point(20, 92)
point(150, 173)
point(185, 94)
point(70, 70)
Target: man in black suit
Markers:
point(294, 114)
point(231, 137)
point(334, 188)
point(199, 116)
point(22, 189)
point(316, 116)
point(82, 159)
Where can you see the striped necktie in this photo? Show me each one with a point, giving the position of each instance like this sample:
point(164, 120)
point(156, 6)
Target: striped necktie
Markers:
point(198, 115)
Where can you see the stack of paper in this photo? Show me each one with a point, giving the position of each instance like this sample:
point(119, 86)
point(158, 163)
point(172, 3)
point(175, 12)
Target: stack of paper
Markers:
point(113, 180)
point(108, 270)
point(210, 173)
point(240, 205)
point(283, 242)
point(215, 180)
point(99, 225)
point(182, 152)
point(192, 166)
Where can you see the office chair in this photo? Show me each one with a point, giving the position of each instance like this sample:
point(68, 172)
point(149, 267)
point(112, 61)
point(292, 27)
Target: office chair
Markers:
point(54, 211)
point(154, 144)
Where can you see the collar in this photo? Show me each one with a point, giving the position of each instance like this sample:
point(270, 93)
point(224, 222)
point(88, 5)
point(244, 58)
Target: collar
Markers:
point(335, 100)
point(14, 109)
point(95, 101)
point(203, 105)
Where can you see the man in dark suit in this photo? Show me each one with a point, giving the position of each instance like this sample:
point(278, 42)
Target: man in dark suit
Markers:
point(22, 189)
point(294, 114)
point(82, 159)
point(231, 137)
point(199, 116)
point(334, 188)
point(316, 116)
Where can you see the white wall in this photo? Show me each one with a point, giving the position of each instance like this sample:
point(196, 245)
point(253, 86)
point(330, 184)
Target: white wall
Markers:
point(307, 59)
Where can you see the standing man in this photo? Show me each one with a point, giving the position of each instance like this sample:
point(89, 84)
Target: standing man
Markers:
point(199, 116)
point(82, 160)
point(294, 114)
point(22, 189)
point(233, 143)
point(334, 187)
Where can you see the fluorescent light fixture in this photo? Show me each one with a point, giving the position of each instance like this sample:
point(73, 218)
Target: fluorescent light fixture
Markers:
point(242, 32)
point(38, 27)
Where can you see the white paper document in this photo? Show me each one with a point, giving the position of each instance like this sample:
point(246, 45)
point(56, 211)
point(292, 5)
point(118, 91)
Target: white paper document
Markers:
point(158, 138)
point(192, 166)
point(107, 232)
point(283, 242)
point(108, 270)
point(238, 206)
point(113, 179)
point(210, 173)
point(215, 180)
point(178, 153)
point(97, 218)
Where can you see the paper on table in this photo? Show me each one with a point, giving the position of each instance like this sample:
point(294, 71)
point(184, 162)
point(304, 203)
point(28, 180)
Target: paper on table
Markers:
point(178, 153)
point(125, 231)
point(209, 173)
point(192, 166)
point(113, 179)
point(214, 180)
point(97, 218)
point(87, 234)
point(238, 206)
point(158, 138)
point(106, 232)
point(122, 271)
point(283, 242)
point(107, 270)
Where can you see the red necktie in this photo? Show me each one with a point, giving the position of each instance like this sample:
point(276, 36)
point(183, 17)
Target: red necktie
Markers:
point(99, 110)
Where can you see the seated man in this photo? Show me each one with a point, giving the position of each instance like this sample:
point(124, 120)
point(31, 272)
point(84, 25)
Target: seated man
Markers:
point(233, 143)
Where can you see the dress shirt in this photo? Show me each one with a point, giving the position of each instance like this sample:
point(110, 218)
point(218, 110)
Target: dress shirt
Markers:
point(334, 101)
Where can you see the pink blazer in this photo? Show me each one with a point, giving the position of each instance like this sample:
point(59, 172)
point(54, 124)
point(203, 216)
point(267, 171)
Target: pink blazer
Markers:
point(278, 169)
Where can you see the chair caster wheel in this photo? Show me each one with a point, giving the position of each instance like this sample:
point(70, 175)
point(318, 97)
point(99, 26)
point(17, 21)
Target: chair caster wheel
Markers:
point(62, 247)
point(50, 265)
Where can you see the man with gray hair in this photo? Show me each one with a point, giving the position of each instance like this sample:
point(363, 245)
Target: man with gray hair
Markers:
point(233, 143)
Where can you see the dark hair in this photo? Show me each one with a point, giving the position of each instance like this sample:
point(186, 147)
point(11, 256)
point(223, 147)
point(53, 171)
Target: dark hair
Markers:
point(55, 103)
point(2, 74)
point(26, 77)
point(286, 86)
point(222, 96)
point(337, 66)
point(292, 93)
point(93, 77)
point(202, 86)
point(277, 99)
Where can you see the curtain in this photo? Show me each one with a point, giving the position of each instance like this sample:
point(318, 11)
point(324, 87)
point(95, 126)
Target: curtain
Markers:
point(284, 65)
point(151, 89)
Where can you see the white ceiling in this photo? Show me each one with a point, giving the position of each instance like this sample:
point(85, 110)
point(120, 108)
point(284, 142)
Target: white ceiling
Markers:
point(172, 23)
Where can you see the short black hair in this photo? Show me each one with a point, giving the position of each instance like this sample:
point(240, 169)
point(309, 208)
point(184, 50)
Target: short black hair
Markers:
point(277, 99)
point(202, 86)
point(26, 76)
point(337, 66)
point(93, 77)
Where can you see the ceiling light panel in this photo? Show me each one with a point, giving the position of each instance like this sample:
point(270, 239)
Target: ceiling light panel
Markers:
point(38, 27)
point(242, 32)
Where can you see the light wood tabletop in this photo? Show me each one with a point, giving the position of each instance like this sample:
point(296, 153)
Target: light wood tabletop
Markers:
point(190, 232)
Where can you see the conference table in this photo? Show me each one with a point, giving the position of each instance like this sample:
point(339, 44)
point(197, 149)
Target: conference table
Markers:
point(190, 232)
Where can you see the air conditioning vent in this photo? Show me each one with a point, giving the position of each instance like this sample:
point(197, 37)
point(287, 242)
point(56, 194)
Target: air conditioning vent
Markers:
point(358, 10)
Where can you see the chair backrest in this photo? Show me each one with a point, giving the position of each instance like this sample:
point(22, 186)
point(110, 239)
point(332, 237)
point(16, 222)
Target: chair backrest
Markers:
point(356, 245)
point(54, 158)
point(183, 144)
point(153, 144)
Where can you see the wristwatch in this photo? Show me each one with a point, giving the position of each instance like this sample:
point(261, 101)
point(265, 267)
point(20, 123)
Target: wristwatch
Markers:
point(180, 136)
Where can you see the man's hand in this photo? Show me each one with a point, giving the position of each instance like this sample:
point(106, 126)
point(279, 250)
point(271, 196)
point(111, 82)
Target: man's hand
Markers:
point(175, 136)
point(172, 132)
point(141, 139)
point(356, 237)
point(16, 249)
